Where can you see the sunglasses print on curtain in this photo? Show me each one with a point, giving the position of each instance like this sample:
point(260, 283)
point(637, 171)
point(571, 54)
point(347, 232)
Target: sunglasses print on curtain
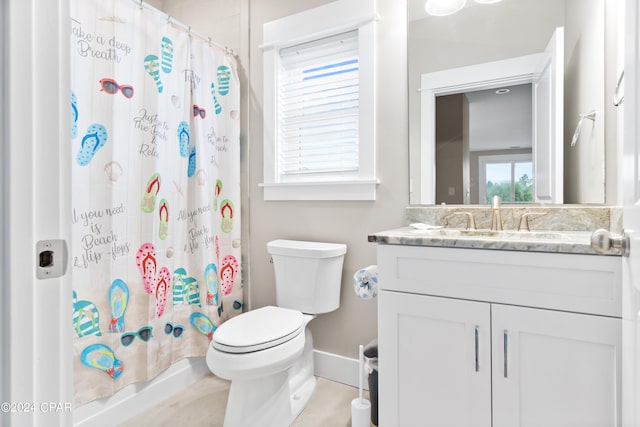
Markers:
point(175, 330)
point(143, 333)
point(199, 111)
point(112, 87)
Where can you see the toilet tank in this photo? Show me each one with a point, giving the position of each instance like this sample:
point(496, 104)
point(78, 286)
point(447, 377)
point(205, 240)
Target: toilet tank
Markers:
point(308, 274)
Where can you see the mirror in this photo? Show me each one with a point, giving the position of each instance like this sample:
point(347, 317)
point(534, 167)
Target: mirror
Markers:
point(481, 34)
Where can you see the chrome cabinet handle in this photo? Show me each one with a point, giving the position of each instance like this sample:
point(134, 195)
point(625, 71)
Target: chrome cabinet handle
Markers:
point(602, 240)
point(477, 347)
point(505, 338)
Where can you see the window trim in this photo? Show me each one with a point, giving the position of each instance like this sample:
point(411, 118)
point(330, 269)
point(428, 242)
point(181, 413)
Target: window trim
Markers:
point(312, 24)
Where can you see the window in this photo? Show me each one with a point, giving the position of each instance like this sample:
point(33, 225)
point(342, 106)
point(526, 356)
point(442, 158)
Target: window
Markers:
point(318, 97)
point(508, 176)
point(319, 135)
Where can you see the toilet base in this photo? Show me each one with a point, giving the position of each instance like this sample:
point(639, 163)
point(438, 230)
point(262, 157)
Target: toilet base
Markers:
point(274, 400)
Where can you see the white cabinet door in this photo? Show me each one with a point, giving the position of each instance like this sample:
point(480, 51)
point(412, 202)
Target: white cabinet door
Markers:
point(434, 356)
point(554, 368)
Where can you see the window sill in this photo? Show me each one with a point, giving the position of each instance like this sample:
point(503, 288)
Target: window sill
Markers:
point(332, 190)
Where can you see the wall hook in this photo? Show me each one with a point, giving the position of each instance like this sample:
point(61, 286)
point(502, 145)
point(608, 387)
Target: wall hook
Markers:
point(617, 99)
point(591, 115)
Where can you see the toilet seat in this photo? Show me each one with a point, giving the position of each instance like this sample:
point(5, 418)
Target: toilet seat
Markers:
point(258, 329)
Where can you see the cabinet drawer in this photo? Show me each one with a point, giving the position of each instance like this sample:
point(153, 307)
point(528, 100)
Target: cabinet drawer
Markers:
point(578, 283)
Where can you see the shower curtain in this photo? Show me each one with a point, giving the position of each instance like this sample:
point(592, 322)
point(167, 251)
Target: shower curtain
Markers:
point(156, 194)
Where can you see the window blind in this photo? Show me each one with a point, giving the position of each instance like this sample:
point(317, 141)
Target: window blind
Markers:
point(318, 106)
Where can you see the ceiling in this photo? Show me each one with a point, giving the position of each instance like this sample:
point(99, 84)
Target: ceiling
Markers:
point(500, 122)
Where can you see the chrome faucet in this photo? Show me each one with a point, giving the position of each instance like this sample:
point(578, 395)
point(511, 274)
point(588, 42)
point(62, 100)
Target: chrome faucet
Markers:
point(496, 216)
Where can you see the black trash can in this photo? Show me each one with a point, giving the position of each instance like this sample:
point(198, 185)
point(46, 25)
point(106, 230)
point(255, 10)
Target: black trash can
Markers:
point(371, 362)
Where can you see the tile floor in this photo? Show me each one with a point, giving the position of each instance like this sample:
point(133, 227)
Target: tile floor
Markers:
point(203, 404)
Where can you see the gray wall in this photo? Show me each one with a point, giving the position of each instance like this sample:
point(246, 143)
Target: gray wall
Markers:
point(355, 322)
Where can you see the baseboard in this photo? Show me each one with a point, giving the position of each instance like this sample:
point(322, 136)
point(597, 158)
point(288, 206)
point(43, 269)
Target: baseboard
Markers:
point(137, 398)
point(337, 368)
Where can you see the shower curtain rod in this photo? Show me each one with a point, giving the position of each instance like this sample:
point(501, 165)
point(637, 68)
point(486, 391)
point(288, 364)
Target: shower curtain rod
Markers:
point(186, 28)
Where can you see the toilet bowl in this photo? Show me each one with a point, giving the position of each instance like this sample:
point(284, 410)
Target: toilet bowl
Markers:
point(271, 384)
point(267, 353)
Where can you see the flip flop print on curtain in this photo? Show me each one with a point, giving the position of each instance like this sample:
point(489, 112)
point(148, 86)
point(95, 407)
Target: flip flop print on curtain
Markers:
point(228, 271)
point(202, 324)
point(191, 168)
point(166, 51)
point(163, 286)
point(193, 291)
point(153, 65)
point(146, 262)
point(211, 281)
point(226, 212)
point(94, 139)
point(163, 213)
point(216, 192)
point(185, 289)
point(216, 105)
point(86, 318)
point(153, 69)
point(101, 357)
point(118, 300)
point(148, 203)
point(224, 75)
point(179, 288)
point(74, 116)
point(183, 139)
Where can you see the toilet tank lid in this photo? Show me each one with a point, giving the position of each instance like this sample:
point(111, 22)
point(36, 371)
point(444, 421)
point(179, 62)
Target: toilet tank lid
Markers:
point(304, 249)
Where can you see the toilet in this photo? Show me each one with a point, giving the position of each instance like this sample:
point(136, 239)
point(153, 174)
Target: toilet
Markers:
point(267, 353)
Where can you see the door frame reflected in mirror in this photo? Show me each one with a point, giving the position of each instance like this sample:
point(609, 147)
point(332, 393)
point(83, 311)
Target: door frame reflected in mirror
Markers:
point(496, 74)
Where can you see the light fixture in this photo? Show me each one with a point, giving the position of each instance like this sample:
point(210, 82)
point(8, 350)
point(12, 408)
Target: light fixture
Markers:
point(503, 91)
point(487, 1)
point(443, 7)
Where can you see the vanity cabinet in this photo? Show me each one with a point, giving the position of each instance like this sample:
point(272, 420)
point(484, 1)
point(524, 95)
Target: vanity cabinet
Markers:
point(501, 339)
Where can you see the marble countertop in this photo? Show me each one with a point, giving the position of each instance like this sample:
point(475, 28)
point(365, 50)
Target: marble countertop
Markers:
point(568, 242)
